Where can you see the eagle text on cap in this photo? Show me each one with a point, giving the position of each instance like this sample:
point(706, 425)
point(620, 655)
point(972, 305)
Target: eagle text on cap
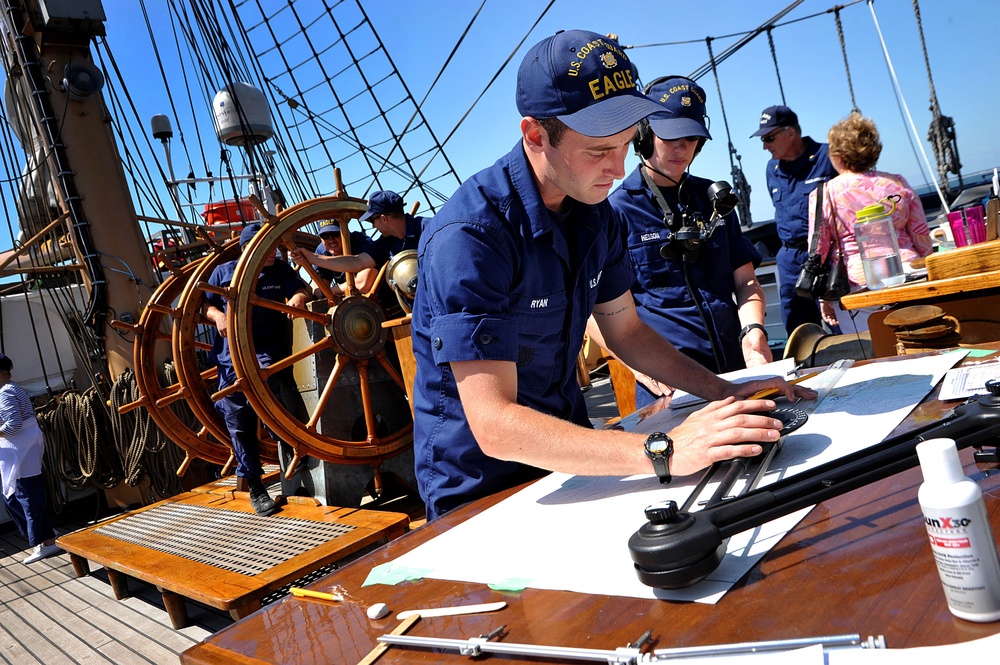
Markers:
point(604, 85)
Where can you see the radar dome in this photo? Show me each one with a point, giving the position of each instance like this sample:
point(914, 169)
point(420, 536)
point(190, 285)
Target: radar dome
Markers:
point(242, 115)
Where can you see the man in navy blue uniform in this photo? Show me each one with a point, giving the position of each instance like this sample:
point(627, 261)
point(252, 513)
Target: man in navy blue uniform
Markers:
point(510, 270)
point(399, 230)
point(272, 342)
point(331, 244)
point(701, 293)
point(797, 165)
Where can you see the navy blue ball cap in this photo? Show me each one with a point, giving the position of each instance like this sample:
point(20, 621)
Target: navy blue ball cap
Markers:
point(248, 232)
point(330, 228)
point(685, 100)
point(584, 79)
point(382, 202)
point(774, 117)
point(6, 364)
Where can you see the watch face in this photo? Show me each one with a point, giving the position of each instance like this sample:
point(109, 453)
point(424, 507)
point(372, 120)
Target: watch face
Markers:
point(657, 446)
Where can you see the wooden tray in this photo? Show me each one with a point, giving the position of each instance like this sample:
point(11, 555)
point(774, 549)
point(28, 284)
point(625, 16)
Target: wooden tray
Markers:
point(969, 260)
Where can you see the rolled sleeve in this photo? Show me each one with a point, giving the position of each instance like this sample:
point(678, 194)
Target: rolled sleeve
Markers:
point(458, 337)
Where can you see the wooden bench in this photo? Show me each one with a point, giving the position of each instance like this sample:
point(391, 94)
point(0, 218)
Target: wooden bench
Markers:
point(211, 548)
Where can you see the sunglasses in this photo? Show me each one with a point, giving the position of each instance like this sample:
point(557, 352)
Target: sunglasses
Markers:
point(770, 137)
point(329, 236)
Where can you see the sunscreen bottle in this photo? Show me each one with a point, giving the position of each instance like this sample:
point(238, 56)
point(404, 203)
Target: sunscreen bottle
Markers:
point(959, 533)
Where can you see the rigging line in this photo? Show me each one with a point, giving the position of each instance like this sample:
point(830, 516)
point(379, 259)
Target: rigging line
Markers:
point(268, 84)
point(498, 72)
point(741, 187)
point(843, 50)
point(722, 105)
point(378, 105)
point(909, 117)
point(420, 104)
point(744, 32)
point(704, 69)
point(179, 32)
point(280, 53)
point(232, 66)
point(159, 64)
point(942, 130)
point(316, 119)
point(211, 26)
point(774, 57)
point(116, 100)
point(341, 135)
point(296, 170)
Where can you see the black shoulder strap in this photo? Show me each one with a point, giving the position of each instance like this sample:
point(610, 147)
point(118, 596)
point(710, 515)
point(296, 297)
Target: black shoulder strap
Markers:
point(668, 214)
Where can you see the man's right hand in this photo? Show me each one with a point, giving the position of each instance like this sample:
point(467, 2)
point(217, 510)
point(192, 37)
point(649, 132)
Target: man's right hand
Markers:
point(302, 256)
point(720, 431)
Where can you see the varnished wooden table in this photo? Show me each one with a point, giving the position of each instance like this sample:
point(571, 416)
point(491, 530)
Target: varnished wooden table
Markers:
point(972, 299)
point(178, 577)
point(858, 563)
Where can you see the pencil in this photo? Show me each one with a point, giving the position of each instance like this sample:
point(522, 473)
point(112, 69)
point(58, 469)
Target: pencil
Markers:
point(767, 392)
point(308, 593)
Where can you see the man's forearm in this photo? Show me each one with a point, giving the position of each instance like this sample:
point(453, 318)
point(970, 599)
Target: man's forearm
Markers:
point(651, 354)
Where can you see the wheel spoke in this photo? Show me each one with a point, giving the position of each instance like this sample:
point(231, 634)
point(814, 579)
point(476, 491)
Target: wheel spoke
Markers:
point(274, 368)
point(324, 397)
point(396, 376)
point(366, 400)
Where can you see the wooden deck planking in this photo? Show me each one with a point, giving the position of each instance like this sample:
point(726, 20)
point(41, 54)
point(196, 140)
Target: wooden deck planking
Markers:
point(51, 617)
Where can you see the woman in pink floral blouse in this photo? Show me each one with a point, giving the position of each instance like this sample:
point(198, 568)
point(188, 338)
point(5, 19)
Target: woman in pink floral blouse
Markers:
point(854, 150)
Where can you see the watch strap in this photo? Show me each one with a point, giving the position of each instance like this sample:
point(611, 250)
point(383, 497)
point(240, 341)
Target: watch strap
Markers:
point(752, 326)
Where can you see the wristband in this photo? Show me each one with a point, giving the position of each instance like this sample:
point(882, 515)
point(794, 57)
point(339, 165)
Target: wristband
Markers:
point(751, 326)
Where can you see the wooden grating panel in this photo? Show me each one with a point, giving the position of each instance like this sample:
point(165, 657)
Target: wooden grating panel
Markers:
point(228, 539)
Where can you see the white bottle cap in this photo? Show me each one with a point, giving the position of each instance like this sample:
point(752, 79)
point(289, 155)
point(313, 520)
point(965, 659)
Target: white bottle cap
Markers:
point(939, 461)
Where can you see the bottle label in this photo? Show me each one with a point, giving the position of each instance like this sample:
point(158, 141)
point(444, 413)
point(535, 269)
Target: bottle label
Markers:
point(966, 558)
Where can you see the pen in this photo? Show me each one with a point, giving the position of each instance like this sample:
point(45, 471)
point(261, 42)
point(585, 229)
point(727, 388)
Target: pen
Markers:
point(767, 392)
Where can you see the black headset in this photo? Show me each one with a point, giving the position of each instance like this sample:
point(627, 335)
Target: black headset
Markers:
point(643, 141)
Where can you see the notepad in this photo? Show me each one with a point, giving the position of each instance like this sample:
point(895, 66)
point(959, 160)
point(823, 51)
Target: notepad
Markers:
point(962, 382)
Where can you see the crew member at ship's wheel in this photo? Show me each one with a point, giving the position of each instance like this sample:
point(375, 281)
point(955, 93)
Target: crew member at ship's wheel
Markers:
point(272, 341)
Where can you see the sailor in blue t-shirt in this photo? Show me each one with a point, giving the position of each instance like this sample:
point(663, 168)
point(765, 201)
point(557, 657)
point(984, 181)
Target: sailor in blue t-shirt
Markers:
point(699, 291)
point(399, 231)
point(331, 244)
point(509, 271)
point(797, 165)
point(272, 341)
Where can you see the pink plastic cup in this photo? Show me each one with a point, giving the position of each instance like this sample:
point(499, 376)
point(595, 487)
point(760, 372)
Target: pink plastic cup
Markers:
point(968, 225)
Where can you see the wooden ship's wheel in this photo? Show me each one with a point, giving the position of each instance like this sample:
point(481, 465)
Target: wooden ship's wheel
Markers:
point(191, 340)
point(163, 397)
point(345, 335)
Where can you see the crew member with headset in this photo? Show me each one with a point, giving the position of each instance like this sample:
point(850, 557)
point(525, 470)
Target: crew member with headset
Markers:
point(695, 281)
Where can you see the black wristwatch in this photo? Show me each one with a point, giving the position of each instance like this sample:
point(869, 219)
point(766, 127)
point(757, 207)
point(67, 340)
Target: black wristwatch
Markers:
point(751, 326)
point(659, 447)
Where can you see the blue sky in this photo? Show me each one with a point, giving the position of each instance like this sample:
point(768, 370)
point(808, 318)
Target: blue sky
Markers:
point(419, 35)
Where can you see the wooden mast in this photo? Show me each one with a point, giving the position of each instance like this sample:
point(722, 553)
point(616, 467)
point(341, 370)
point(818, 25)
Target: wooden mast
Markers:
point(73, 122)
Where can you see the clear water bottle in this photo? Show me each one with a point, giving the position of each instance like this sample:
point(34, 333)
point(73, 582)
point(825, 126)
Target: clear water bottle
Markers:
point(876, 237)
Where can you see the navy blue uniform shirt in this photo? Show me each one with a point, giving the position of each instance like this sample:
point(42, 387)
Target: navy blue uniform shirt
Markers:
point(271, 329)
point(790, 183)
point(662, 297)
point(499, 280)
point(385, 247)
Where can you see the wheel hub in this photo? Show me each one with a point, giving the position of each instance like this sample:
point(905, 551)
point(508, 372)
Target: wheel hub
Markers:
point(356, 327)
